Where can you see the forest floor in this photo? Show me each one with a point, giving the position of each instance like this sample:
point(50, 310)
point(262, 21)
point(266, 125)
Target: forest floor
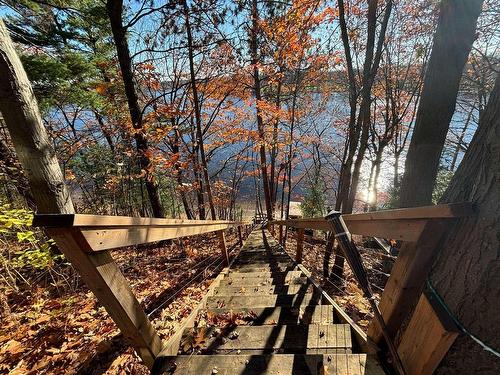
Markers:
point(55, 327)
point(345, 290)
point(60, 328)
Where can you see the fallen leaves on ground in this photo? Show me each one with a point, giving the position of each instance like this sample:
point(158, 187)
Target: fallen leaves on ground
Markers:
point(67, 333)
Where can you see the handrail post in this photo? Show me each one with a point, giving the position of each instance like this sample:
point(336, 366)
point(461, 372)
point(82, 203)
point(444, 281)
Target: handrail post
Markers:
point(240, 237)
point(281, 235)
point(223, 247)
point(300, 245)
point(103, 277)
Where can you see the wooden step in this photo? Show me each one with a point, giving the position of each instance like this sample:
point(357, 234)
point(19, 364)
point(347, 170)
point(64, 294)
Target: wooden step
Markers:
point(232, 302)
point(318, 314)
point(280, 267)
point(262, 290)
point(269, 338)
point(256, 281)
point(263, 275)
point(283, 364)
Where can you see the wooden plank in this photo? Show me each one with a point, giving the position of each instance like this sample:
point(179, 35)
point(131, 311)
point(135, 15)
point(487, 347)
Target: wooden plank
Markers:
point(240, 237)
point(103, 239)
point(404, 224)
point(317, 314)
point(404, 230)
point(223, 247)
point(450, 210)
point(300, 245)
point(82, 220)
point(428, 337)
point(104, 278)
point(285, 338)
point(311, 364)
point(256, 290)
point(263, 301)
point(405, 284)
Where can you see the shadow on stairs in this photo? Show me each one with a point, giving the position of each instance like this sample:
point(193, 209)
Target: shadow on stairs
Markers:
point(264, 315)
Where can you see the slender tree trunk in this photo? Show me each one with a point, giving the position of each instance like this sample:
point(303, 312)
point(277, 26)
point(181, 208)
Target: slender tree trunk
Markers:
point(197, 113)
point(258, 99)
point(178, 173)
point(352, 134)
point(466, 273)
point(31, 142)
point(370, 69)
point(115, 14)
point(453, 40)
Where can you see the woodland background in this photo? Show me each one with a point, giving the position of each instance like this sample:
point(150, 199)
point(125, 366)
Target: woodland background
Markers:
point(210, 109)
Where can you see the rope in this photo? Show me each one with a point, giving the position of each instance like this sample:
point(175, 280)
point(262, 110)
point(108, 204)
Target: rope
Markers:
point(457, 322)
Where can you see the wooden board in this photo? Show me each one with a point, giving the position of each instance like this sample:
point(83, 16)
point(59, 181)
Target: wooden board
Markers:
point(333, 364)
point(103, 239)
point(318, 314)
point(404, 230)
point(81, 220)
point(405, 284)
point(101, 274)
point(262, 290)
point(263, 281)
point(263, 301)
point(427, 338)
point(294, 338)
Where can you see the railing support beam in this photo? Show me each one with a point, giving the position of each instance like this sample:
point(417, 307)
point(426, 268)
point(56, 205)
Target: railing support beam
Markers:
point(223, 247)
point(103, 277)
point(300, 245)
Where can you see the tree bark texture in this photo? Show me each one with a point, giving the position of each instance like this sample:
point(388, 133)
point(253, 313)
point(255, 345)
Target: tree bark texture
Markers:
point(466, 272)
point(453, 40)
point(31, 142)
point(115, 14)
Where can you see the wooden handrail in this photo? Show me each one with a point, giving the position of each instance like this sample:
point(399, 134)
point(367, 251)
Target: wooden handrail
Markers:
point(101, 221)
point(111, 232)
point(422, 229)
point(404, 224)
point(85, 240)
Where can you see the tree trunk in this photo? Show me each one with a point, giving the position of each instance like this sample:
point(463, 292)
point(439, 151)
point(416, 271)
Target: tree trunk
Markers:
point(33, 147)
point(197, 113)
point(258, 99)
point(352, 135)
point(453, 40)
point(466, 273)
point(115, 13)
point(370, 69)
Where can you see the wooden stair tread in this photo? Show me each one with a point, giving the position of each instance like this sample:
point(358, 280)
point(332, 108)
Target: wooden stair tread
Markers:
point(283, 338)
point(264, 300)
point(319, 314)
point(332, 364)
point(253, 281)
point(262, 290)
point(265, 275)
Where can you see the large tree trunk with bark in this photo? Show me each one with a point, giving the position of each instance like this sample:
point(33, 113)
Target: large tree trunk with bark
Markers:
point(115, 14)
point(453, 40)
point(466, 272)
point(19, 108)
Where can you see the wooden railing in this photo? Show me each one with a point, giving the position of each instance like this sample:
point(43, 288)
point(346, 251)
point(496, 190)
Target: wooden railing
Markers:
point(86, 240)
point(403, 302)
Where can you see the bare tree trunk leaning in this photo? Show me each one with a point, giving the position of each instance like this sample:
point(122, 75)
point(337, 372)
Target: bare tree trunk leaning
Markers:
point(453, 40)
point(33, 147)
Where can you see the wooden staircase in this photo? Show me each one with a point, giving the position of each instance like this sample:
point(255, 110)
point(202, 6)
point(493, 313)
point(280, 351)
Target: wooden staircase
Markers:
point(264, 315)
